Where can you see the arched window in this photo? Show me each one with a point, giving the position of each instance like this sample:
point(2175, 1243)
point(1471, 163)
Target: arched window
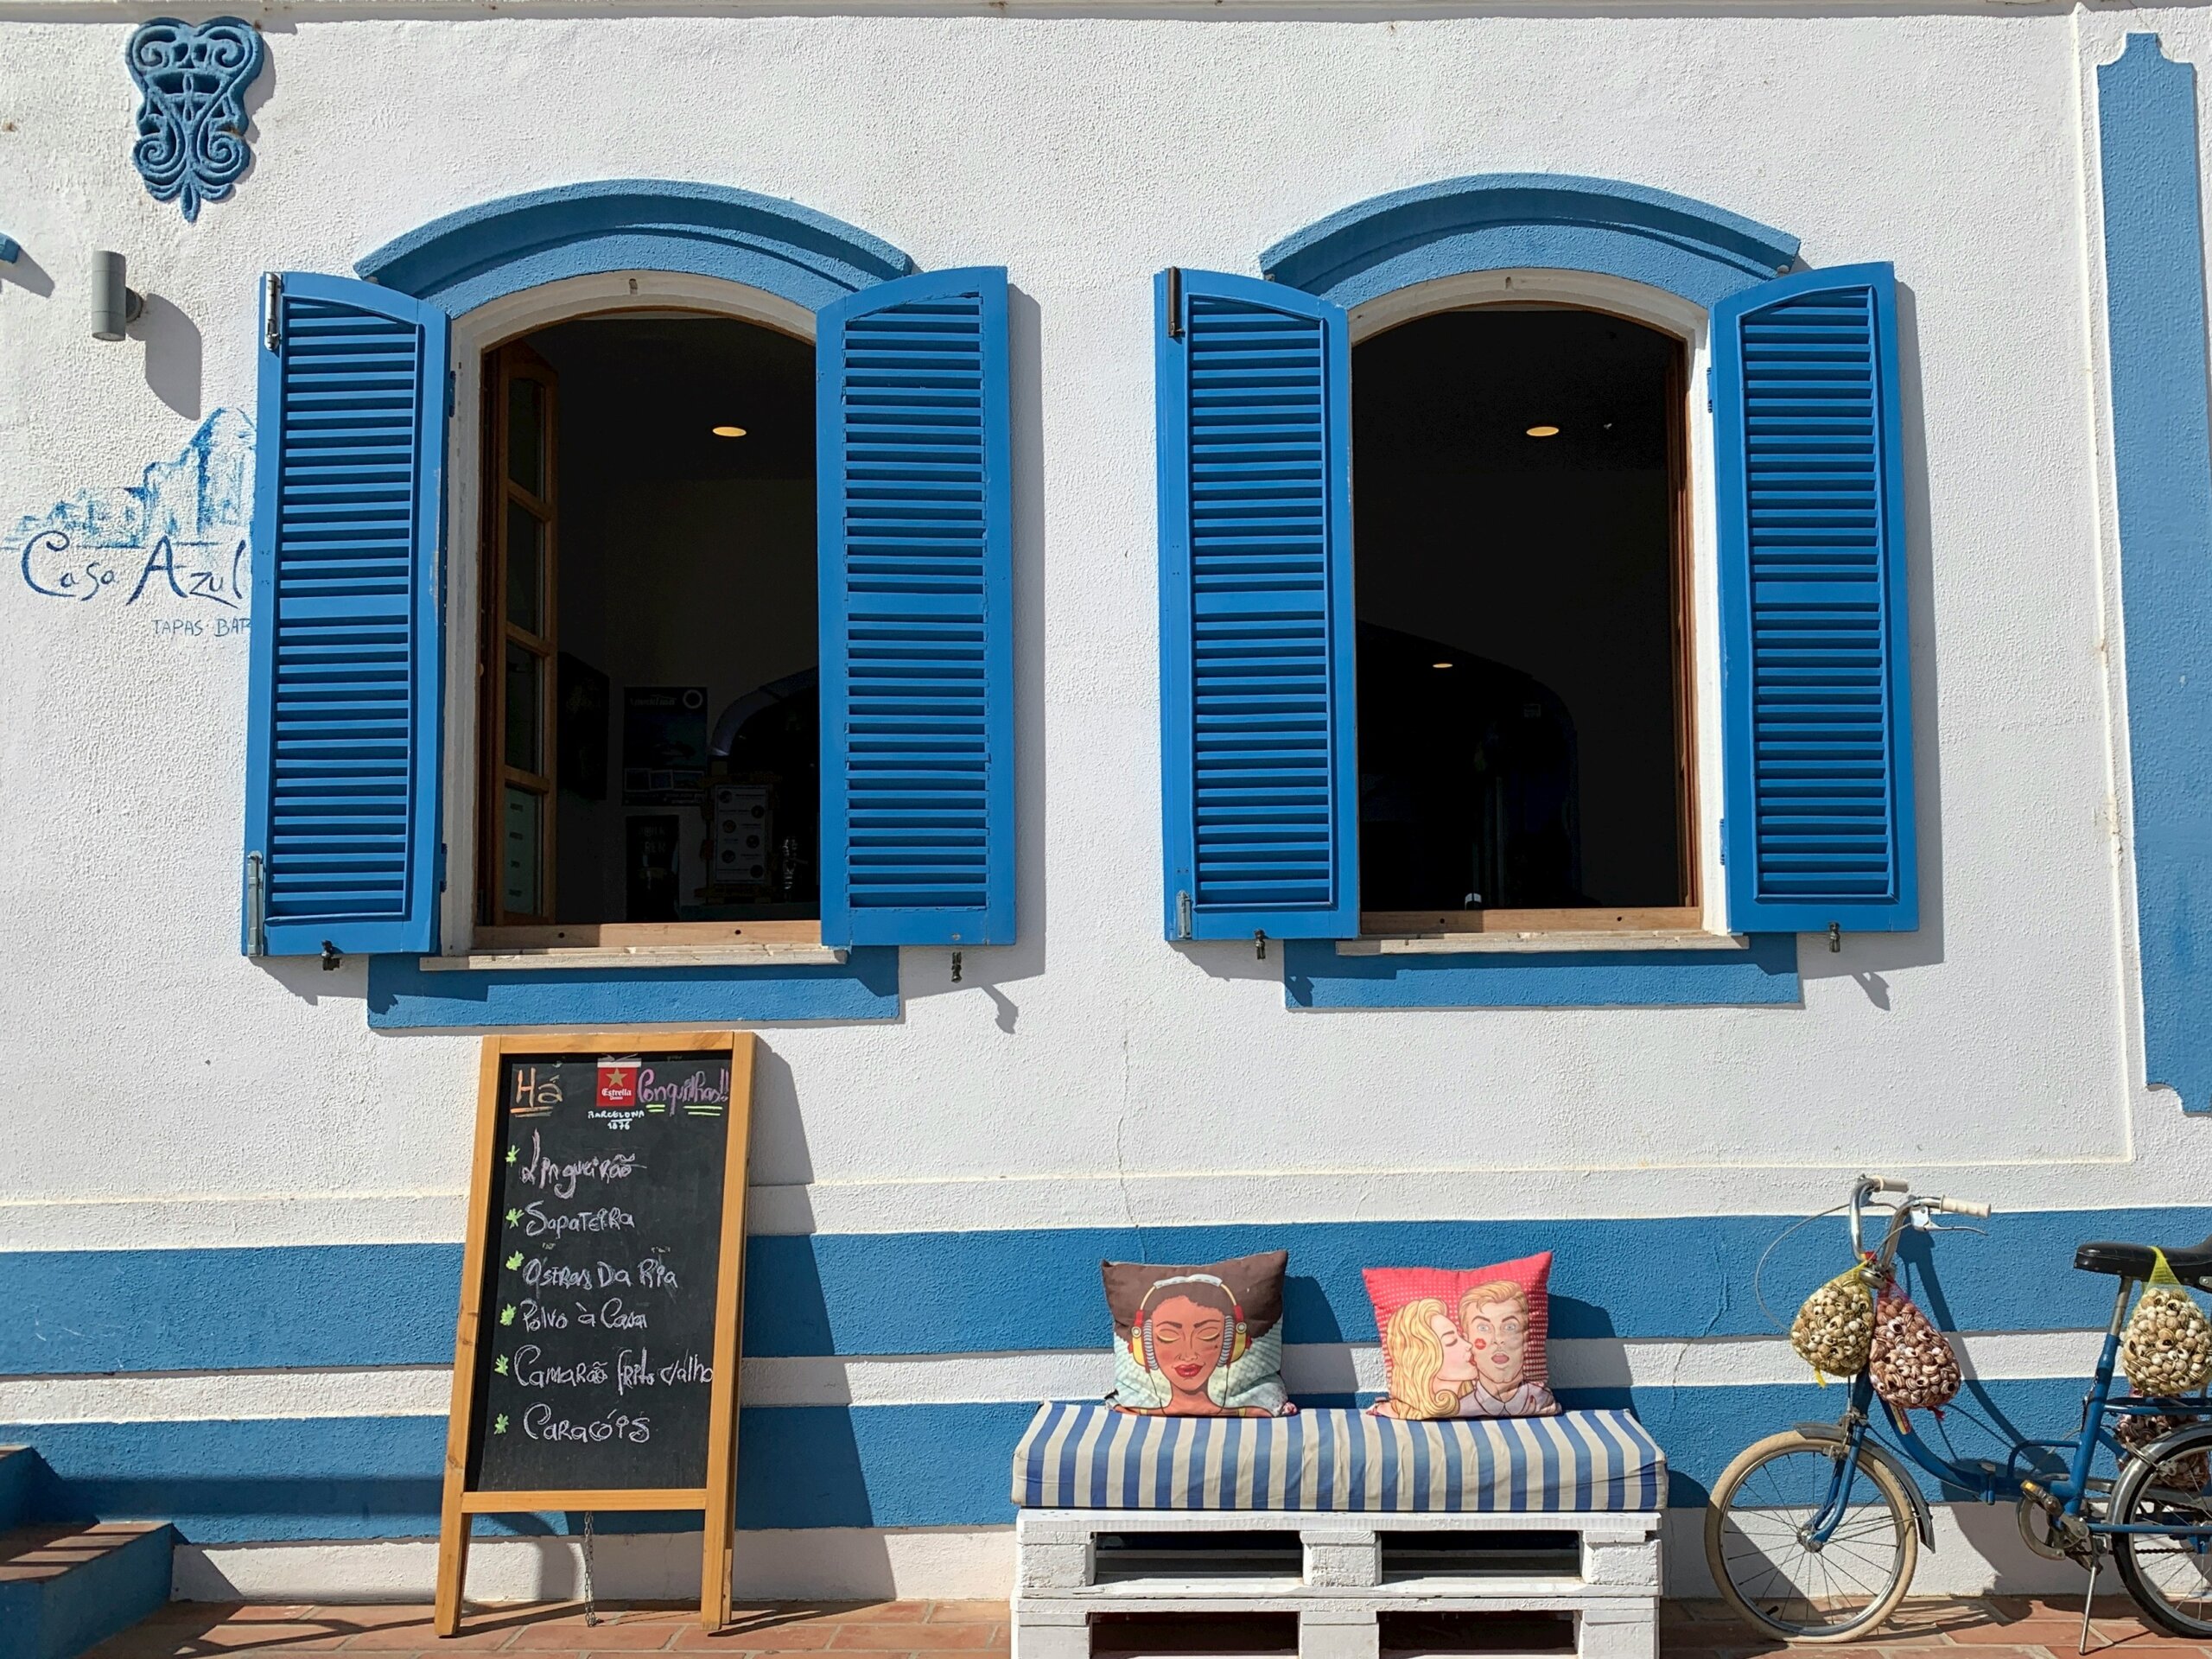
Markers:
point(1575, 406)
point(512, 427)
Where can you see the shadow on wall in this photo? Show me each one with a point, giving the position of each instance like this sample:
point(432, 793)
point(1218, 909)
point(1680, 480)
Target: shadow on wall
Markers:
point(26, 273)
point(1867, 956)
point(929, 972)
point(174, 351)
point(798, 1466)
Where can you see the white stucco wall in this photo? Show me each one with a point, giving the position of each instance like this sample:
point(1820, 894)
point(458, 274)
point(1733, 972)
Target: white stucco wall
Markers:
point(164, 1091)
point(1093, 1071)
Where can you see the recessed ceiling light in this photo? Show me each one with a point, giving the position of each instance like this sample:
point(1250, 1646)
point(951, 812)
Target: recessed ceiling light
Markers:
point(1543, 431)
point(1439, 664)
point(729, 431)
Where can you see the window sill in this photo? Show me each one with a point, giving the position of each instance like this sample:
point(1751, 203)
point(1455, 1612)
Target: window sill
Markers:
point(1624, 968)
point(602, 989)
point(1546, 943)
point(593, 958)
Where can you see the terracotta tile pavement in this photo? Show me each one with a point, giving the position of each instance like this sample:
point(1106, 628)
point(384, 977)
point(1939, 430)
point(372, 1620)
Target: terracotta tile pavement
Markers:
point(1995, 1627)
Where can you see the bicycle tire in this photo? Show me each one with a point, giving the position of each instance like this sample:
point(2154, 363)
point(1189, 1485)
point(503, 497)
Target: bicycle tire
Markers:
point(2141, 1498)
point(1768, 1612)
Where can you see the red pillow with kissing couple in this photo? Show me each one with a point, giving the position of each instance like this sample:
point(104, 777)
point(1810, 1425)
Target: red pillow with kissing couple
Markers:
point(1465, 1344)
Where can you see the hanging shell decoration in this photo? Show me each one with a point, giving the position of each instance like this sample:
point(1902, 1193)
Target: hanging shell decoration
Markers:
point(2189, 1472)
point(1834, 1329)
point(2168, 1347)
point(1912, 1361)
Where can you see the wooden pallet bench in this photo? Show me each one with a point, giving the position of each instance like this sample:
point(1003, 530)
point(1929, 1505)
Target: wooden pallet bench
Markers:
point(1351, 1522)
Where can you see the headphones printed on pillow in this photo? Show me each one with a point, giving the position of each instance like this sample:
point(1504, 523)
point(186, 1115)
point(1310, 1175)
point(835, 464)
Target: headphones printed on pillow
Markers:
point(1234, 1338)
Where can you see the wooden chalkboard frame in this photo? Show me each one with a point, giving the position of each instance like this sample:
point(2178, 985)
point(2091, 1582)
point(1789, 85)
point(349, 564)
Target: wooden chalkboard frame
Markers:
point(717, 1498)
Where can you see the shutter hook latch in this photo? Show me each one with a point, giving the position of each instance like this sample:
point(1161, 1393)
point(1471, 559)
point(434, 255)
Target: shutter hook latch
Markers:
point(956, 967)
point(1260, 941)
point(331, 958)
point(1835, 936)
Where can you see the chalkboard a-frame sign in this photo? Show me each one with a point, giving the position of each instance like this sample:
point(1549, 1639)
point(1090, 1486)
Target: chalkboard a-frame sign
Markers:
point(596, 1363)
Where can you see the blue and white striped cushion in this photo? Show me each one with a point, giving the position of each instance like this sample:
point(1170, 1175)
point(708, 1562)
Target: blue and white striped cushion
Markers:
point(1091, 1456)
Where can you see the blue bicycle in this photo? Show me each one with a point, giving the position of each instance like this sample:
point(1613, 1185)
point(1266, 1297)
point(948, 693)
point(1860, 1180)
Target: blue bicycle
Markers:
point(1813, 1534)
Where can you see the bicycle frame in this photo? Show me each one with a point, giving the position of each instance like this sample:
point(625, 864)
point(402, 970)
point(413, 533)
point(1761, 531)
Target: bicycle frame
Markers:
point(1983, 1480)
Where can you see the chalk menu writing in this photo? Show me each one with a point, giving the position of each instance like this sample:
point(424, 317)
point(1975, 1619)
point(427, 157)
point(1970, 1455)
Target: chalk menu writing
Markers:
point(596, 1350)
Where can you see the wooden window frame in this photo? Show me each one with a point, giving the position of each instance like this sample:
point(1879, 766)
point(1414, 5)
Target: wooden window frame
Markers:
point(1615, 920)
point(503, 365)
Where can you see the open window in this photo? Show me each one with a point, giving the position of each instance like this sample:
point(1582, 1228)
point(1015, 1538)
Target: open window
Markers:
point(1428, 658)
point(1520, 572)
point(648, 713)
point(742, 653)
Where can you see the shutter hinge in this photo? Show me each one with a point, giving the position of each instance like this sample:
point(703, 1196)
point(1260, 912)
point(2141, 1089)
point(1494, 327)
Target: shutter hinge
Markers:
point(1724, 841)
point(1709, 392)
point(450, 376)
point(1175, 312)
point(441, 867)
point(1182, 915)
point(257, 907)
point(272, 309)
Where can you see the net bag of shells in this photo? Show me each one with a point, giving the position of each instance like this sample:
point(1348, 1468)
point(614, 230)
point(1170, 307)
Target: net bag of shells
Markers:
point(2167, 1348)
point(1912, 1361)
point(2191, 1472)
point(1833, 1329)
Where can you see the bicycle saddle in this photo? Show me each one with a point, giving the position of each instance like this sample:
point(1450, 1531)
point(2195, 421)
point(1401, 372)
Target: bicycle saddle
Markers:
point(2192, 1264)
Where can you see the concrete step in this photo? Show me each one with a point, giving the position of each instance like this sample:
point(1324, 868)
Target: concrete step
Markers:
point(63, 1588)
point(18, 1486)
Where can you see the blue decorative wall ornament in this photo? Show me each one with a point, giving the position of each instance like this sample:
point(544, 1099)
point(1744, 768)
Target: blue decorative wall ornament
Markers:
point(1507, 221)
point(497, 248)
point(10, 250)
point(192, 123)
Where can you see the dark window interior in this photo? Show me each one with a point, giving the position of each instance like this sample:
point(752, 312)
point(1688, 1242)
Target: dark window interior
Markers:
point(682, 716)
point(1521, 699)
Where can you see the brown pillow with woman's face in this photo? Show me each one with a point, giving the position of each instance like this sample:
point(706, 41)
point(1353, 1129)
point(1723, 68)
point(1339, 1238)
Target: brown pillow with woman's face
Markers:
point(1198, 1341)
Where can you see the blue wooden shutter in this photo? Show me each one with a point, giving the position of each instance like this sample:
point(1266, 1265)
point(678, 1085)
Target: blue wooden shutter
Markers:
point(917, 531)
point(342, 731)
point(1260, 785)
point(1817, 707)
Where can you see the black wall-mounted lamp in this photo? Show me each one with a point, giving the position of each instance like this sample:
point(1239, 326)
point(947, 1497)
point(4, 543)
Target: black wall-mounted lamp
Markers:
point(115, 307)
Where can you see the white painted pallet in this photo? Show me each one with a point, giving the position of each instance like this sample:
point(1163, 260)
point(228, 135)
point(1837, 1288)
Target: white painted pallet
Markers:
point(1613, 1598)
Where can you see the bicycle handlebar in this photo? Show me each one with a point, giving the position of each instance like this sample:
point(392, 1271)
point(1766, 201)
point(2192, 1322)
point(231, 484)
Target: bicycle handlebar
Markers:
point(1961, 1207)
point(1869, 1184)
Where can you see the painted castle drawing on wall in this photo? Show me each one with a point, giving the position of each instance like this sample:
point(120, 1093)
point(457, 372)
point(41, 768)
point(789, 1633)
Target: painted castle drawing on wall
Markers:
point(180, 532)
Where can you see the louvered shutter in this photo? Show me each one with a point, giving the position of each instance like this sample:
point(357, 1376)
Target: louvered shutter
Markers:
point(916, 527)
point(342, 750)
point(1260, 785)
point(1817, 706)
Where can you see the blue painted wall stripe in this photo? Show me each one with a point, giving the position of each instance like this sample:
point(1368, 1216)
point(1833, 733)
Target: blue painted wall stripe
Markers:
point(88, 1312)
point(2162, 439)
point(80, 1311)
point(797, 1467)
point(1763, 973)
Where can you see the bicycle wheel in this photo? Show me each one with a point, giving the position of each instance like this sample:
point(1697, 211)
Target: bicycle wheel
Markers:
point(2170, 1577)
point(1771, 1570)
